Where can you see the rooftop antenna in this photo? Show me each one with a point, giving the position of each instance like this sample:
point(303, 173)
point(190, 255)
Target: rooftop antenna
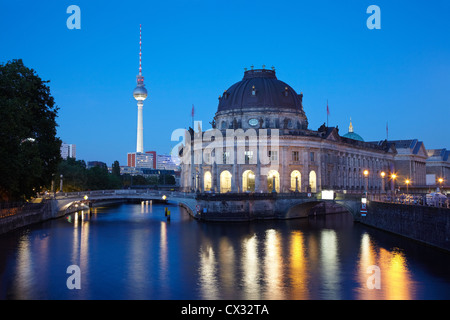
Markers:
point(140, 49)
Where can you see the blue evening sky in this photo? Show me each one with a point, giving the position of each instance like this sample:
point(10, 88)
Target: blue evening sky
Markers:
point(194, 50)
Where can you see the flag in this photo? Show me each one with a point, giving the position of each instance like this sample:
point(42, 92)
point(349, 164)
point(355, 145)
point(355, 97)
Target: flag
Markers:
point(192, 111)
point(328, 110)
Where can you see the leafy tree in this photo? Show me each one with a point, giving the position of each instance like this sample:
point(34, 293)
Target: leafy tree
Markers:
point(29, 148)
point(74, 175)
point(166, 179)
point(116, 169)
point(98, 178)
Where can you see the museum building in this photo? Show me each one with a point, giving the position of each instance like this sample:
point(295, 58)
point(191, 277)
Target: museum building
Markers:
point(260, 142)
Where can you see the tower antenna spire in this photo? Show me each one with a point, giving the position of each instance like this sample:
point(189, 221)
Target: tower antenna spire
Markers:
point(140, 49)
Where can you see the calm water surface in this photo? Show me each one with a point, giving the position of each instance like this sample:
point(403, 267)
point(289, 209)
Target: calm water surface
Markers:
point(131, 252)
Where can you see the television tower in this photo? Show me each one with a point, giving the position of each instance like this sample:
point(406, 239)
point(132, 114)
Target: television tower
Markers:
point(140, 94)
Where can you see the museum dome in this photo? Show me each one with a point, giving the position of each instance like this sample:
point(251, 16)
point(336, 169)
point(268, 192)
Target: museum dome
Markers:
point(351, 134)
point(260, 88)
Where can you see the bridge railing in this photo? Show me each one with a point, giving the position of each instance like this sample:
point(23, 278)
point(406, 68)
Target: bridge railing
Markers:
point(118, 192)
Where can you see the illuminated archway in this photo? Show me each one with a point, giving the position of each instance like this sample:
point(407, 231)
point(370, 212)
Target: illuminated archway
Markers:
point(207, 181)
point(248, 181)
point(313, 181)
point(225, 181)
point(296, 180)
point(270, 177)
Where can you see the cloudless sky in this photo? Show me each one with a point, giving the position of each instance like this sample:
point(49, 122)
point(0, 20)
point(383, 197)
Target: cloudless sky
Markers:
point(193, 50)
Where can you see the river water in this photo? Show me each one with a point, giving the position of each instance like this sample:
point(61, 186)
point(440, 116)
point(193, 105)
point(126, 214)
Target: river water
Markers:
point(131, 251)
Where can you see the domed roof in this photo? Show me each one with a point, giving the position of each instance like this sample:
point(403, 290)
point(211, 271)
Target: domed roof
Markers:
point(352, 135)
point(260, 88)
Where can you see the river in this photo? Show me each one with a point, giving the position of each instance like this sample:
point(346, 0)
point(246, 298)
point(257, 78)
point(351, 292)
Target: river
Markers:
point(131, 251)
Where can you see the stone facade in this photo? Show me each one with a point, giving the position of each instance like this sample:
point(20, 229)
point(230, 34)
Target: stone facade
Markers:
point(438, 163)
point(260, 142)
point(410, 161)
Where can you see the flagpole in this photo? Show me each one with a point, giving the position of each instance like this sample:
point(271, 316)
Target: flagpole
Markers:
point(387, 131)
point(192, 113)
point(328, 112)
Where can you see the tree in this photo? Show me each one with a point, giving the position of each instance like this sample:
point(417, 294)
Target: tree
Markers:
point(74, 175)
point(29, 148)
point(166, 179)
point(116, 169)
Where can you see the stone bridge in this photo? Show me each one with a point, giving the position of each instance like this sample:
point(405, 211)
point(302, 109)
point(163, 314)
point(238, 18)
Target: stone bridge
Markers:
point(68, 202)
point(217, 207)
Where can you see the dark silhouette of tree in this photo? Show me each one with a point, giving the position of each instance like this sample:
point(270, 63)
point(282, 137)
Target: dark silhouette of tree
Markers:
point(29, 148)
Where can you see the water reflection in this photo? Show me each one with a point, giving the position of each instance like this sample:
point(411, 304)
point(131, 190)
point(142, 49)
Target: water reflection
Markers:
point(298, 267)
point(273, 264)
point(330, 270)
point(132, 252)
point(25, 282)
point(250, 268)
point(228, 267)
point(208, 273)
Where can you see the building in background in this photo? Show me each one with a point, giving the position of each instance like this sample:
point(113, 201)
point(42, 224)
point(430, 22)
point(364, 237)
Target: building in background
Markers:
point(142, 160)
point(410, 162)
point(68, 151)
point(438, 167)
point(167, 162)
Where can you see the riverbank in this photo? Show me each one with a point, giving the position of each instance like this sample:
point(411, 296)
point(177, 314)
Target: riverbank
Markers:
point(429, 225)
point(46, 210)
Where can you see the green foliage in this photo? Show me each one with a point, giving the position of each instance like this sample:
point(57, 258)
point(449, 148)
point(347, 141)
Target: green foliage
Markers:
point(29, 148)
point(76, 177)
point(116, 168)
point(139, 180)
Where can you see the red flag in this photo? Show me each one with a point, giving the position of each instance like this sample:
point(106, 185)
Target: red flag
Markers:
point(328, 110)
point(192, 111)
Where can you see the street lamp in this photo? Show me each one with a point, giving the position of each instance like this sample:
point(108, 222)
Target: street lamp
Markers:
point(407, 181)
point(383, 174)
point(441, 180)
point(61, 183)
point(393, 177)
point(366, 180)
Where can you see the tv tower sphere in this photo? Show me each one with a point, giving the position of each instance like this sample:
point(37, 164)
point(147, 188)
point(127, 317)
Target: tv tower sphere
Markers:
point(140, 93)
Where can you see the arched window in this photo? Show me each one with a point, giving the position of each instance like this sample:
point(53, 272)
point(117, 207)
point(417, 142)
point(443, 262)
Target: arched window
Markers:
point(248, 181)
point(271, 176)
point(313, 181)
point(296, 180)
point(225, 181)
point(207, 181)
